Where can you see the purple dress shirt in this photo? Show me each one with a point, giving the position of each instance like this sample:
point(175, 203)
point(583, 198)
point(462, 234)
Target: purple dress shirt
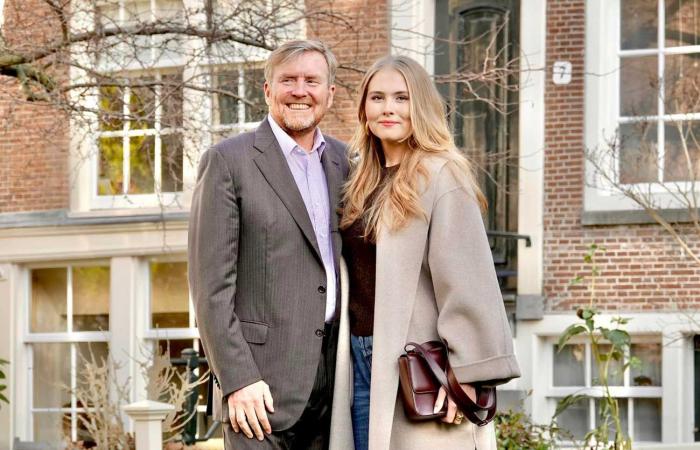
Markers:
point(311, 180)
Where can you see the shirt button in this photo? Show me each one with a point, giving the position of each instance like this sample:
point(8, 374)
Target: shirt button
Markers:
point(321, 289)
point(320, 333)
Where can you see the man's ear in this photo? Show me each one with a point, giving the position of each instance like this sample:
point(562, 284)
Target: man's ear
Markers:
point(331, 91)
point(266, 90)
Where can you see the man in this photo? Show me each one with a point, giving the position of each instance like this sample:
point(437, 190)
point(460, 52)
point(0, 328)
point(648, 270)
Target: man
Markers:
point(263, 260)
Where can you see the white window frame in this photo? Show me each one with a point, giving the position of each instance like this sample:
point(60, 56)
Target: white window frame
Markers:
point(625, 392)
point(602, 116)
point(241, 126)
point(126, 200)
point(68, 337)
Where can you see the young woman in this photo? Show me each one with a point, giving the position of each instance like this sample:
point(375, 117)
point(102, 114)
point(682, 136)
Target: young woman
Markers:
point(419, 268)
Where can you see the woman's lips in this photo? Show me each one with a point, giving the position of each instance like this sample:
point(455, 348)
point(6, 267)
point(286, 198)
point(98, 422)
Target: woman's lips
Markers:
point(388, 123)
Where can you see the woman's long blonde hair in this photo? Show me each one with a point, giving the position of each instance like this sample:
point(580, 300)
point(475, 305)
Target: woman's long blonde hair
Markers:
point(430, 135)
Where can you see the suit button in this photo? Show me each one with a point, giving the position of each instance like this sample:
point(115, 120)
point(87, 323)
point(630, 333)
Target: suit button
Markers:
point(321, 289)
point(320, 333)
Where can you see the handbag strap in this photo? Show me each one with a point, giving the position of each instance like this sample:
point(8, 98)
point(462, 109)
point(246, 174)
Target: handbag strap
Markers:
point(486, 397)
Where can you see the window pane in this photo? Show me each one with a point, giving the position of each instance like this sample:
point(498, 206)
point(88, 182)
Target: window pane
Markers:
point(142, 161)
point(647, 419)
point(111, 177)
point(227, 98)
point(649, 372)
point(88, 352)
point(49, 300)
point(171, 163)
point(615, 374)
point(142, 104)
point(623, 408)
point(682, 85)
point(639, 86)
point(682, 145)
point(111, 108)
point(171, 99)
point(638, 152)
point(169, 295)
point(51, 427)
point(90, 298)
point(569, 365)
point(575, 418)
point(639, 24)
point(51, 375)
point(254, 79)
point(682, 22)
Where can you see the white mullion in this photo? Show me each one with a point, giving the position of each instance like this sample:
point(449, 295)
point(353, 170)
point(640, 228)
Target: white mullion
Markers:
point(157, 163)
point(73, 388)
point(241, 95)
point(630, 418)
point(588, 381)
point(69, 299)
point(665, 118)
point(660, 125)
point(126, 147)
point(190, 306)
point(30, 389)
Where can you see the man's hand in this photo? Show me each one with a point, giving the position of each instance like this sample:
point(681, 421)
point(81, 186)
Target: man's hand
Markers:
point(452, 406)
point(246, 410)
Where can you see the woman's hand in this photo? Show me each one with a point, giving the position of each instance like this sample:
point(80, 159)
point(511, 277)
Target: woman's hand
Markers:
point(453, 415)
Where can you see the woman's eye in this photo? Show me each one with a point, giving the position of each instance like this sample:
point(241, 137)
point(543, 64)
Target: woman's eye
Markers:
point(375, 98)
point(402, 98)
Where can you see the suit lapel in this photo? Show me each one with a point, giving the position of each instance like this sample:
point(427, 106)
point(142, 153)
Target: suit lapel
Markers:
point(275, 169)
point(334, 180)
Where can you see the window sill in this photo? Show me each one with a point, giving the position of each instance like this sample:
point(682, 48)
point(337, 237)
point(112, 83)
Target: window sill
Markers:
point(632, 217)
point(59, 218)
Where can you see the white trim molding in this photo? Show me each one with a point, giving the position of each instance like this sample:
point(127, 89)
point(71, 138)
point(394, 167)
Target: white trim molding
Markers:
point(531, 143)
point(673, 330)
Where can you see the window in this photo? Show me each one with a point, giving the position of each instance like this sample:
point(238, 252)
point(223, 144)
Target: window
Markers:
point(140, 143)
point(638, 390)
point(68, 320)
point(659, 101)
point(172, 321)
point(239, 100)
point(642, 83)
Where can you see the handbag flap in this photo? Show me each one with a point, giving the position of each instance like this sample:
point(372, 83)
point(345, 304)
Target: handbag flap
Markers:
point(422, 379)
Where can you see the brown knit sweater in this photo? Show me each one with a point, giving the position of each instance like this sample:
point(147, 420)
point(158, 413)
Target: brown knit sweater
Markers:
point(361, 257)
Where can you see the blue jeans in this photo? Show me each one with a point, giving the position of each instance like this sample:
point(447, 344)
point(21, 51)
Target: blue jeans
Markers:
point(362, 370)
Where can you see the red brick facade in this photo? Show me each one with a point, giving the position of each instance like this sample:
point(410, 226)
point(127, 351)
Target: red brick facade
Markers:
point(363, 38)
point(33, 136)
point(642, 268)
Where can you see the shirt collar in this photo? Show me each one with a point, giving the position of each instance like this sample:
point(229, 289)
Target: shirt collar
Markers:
point(287, 144)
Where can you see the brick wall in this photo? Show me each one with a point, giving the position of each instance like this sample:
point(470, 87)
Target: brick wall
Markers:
point(642, 269)
point(358, 33)
point(33, 136)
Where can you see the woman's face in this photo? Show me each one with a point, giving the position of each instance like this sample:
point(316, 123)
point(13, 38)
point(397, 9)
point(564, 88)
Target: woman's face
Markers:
point(387, 106)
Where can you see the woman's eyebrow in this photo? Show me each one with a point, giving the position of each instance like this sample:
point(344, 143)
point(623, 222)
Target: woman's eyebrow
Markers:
point(392, 93)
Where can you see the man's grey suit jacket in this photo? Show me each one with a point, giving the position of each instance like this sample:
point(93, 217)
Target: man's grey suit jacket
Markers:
point(257, 279)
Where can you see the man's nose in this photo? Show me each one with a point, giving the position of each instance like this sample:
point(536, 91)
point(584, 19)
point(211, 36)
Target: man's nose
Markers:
point(299, 88)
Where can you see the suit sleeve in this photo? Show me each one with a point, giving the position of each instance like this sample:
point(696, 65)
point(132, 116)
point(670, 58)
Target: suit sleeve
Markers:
point(213, 253)
point(472, 316)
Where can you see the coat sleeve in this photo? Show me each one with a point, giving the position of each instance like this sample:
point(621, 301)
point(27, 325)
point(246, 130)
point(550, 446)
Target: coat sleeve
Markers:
point(472, 316)
point(213, 253)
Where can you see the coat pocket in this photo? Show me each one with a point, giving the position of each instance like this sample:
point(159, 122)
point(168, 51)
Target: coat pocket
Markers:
point(254, 332)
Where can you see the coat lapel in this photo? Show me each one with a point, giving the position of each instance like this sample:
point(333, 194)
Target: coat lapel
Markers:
point(399, 259)
point(275, 169)
point(334, 180)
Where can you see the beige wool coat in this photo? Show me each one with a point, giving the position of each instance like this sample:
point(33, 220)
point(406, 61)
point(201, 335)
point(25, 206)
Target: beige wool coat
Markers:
point(434, 278)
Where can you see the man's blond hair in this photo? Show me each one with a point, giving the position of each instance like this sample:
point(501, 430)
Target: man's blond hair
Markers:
point(292, 49)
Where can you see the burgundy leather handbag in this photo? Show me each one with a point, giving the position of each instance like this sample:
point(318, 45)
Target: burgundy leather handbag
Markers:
point(423, 370)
